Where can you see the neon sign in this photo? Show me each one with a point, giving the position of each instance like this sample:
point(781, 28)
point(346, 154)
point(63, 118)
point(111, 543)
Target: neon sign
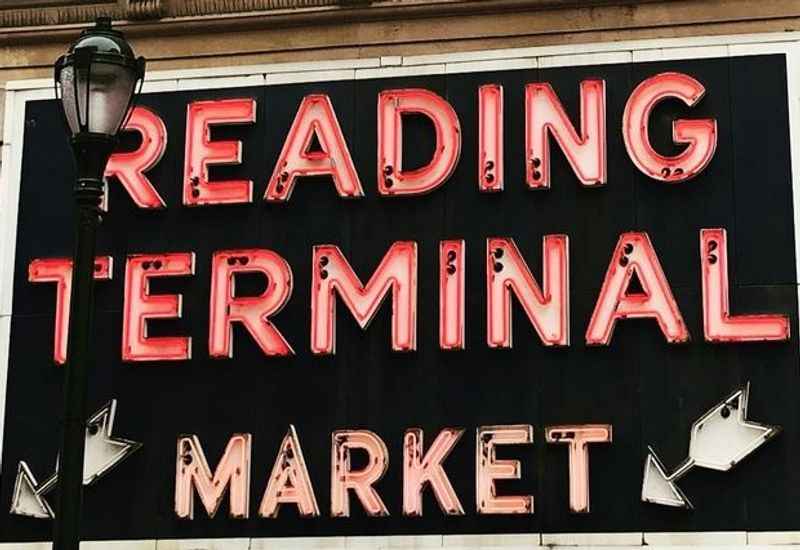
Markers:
point(490, 288)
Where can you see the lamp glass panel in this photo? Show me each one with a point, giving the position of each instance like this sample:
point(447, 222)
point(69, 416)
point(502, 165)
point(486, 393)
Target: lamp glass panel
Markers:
point(111, 87)
point(68, 98)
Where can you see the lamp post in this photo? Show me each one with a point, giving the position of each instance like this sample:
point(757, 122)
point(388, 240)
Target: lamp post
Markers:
point(97, 80)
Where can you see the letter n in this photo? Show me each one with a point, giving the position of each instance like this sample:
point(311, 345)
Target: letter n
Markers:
point(547, 308)
point(586, 152)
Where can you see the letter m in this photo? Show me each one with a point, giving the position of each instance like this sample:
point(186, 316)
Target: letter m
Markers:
point(397, 273)
point(192, 473)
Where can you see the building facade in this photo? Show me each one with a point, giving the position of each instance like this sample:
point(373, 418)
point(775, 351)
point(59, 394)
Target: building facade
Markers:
point(560, 237)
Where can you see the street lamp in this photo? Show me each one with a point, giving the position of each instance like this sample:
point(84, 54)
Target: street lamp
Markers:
point(96, 81)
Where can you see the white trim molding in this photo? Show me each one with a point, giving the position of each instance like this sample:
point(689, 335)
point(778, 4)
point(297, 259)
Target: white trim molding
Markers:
point(704, 540)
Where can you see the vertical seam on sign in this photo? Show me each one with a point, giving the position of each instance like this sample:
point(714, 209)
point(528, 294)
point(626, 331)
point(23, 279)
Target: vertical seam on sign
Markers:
point(792, 81)
point(734, 172)
point(536, 503)
point(793, 93)
point(345, 372)
point(634, 187)
point(448, 184)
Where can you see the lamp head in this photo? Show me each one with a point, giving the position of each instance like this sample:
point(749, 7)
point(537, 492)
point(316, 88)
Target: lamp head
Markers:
point(98, 79)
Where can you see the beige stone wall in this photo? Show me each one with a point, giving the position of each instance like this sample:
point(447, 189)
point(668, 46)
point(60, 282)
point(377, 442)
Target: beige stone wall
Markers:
point(397, 27)
point(191, 34)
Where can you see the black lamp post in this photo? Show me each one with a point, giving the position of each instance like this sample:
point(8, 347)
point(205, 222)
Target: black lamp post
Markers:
point(97, 80)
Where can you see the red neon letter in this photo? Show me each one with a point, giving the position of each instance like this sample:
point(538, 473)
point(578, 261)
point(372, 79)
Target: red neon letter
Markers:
point(59, 271)
point(490, 138)
point(140, 306)
point(586, 152)
point(392, 105)
point(315, 117)
point(129, 167)
point(397, 274)
point(201, 152)
point(252, 311)
point(507, 272)
point(488, 469)
point(634, 254)
point(451, 294)
point(289, 481)
point(344, 478)
point(420, 469)
point(192, 472)
point(700, 135)
point(718, 323)
point(578, 438)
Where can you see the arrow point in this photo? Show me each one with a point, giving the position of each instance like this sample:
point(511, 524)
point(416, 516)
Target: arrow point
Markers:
point(658, 487)
point(723, 436)
point(103, 451)
point(26, 499)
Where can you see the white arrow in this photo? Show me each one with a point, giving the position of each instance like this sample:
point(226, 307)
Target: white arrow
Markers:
point(102, 453)
point(660, 488)
point(28, 497)
point(719, 440)
point(722, 437)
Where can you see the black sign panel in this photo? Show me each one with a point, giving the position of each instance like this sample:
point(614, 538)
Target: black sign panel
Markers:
point(649, 390)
